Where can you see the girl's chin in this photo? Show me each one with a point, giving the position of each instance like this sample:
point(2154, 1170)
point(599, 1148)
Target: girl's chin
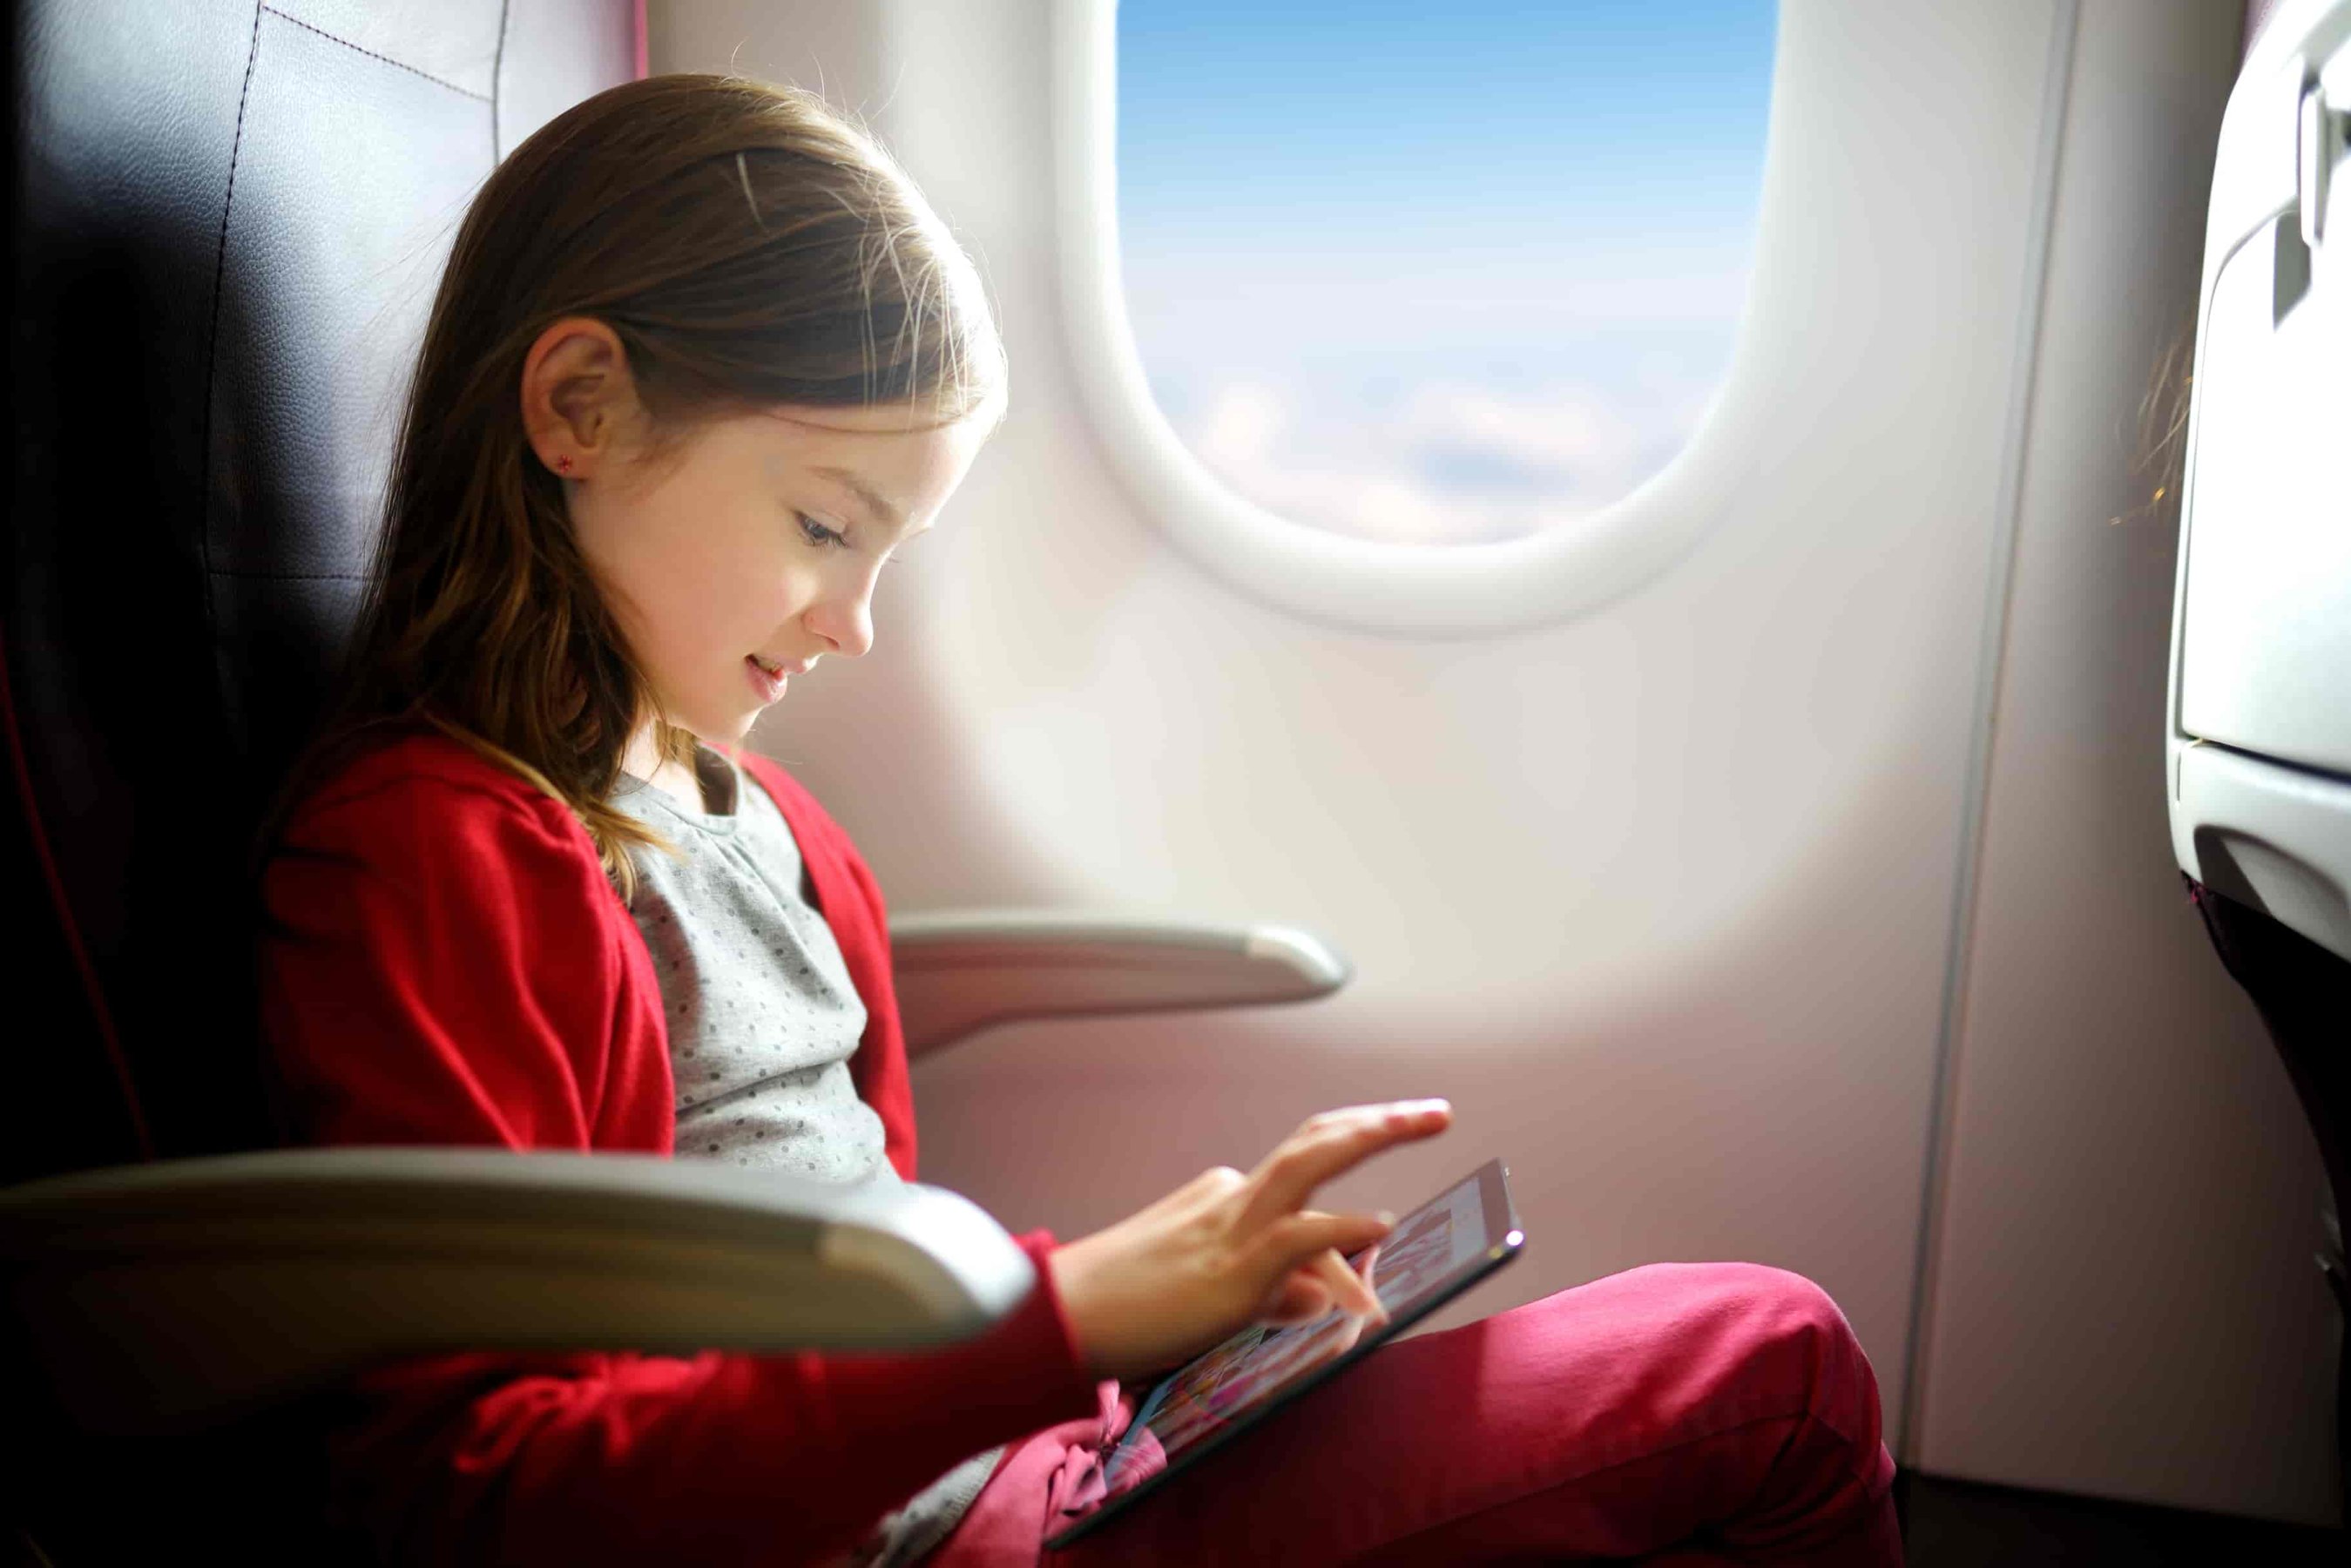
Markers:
point(732, 734)
point(729, 731)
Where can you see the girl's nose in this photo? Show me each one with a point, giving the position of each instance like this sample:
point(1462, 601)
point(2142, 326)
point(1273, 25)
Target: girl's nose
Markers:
point(844, 622)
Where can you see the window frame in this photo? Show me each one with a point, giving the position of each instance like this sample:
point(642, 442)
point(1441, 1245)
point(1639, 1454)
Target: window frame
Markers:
point(1555, 574)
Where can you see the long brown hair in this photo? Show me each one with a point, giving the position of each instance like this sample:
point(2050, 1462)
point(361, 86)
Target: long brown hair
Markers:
point(751, 249)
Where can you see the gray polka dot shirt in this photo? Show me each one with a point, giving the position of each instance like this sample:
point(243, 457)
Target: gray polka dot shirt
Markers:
point(762, 1016)
point(763, 1020)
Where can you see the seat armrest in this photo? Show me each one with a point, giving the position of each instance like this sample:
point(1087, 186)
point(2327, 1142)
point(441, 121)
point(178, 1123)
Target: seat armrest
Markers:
point(160, 1297)
point(958, 971)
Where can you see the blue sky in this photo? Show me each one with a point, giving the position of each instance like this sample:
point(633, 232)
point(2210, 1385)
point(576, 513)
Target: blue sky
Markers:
point(1423, 272)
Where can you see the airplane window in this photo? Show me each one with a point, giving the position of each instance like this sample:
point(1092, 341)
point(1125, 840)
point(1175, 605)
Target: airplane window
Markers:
point(1436, 275)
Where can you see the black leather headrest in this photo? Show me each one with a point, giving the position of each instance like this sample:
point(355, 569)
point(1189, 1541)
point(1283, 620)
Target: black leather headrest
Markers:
point(230, 220)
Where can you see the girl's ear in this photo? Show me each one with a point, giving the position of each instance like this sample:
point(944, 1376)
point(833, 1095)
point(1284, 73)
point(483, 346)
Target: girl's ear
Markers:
point(578, 396)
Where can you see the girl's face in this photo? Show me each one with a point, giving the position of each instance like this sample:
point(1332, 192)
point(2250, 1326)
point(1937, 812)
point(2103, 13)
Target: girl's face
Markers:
point(749, 551)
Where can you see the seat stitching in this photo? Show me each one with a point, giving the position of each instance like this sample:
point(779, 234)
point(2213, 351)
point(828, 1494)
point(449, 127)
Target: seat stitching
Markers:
point(497, 85)
point(387, 59)
point(211, 335)
point(237, 572)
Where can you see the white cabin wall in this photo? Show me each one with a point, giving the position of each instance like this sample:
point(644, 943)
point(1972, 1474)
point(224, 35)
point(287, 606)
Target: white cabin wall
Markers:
point(2124, 1302)
point(1662, 897)
point(832, 46)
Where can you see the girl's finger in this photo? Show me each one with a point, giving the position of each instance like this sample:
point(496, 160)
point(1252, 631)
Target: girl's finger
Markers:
point(1295, 1240)
point(1347, 1288)
point(1331, 1143)
point(1302, 1299)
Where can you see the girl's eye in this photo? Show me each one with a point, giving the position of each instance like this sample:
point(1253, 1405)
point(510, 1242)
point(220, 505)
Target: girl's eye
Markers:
point(816, 533)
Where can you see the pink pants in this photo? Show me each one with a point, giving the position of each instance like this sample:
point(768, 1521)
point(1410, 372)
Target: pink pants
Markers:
point(1685, 1414)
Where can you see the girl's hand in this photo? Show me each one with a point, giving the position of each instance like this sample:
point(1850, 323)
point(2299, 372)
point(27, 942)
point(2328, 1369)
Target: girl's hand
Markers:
point(1226, 1250)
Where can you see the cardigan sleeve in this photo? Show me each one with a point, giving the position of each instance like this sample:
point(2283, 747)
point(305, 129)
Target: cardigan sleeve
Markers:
point(436, 968)
point(721, 1458)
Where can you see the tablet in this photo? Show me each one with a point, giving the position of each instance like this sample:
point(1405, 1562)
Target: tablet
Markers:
point(1432, 1255)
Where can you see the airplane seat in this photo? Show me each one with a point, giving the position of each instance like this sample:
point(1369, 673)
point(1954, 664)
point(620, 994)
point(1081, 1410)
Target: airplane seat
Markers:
point(230, 221)
point(2259, 742)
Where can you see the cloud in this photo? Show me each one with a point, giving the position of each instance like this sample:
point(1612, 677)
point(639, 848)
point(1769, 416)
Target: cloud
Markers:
point(1572, 432)
point(1243, 426)
point(1446, 461)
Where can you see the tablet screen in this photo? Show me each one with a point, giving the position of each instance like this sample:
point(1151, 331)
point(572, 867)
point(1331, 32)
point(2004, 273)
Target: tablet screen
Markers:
point(1429, 1251)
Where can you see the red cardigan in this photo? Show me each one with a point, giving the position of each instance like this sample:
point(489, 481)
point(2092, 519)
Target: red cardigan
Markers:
point(445, 963)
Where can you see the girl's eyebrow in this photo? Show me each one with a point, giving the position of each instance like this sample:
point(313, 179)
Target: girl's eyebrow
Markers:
point(875, 506)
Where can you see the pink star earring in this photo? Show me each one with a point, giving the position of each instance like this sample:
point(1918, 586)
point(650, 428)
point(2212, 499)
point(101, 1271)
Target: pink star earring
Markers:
point(563, 464)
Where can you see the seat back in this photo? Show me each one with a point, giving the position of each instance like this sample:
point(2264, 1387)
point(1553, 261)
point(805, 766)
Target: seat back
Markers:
point(231, 219)
point(2260, 743)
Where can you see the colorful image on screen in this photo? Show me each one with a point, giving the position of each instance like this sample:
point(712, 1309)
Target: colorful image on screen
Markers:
point(1427, 1247)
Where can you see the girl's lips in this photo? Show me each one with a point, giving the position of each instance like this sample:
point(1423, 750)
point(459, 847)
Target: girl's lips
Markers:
point(770, 687)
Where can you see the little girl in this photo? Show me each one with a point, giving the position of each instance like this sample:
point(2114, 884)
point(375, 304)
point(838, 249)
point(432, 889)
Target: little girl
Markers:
point(701, 361)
